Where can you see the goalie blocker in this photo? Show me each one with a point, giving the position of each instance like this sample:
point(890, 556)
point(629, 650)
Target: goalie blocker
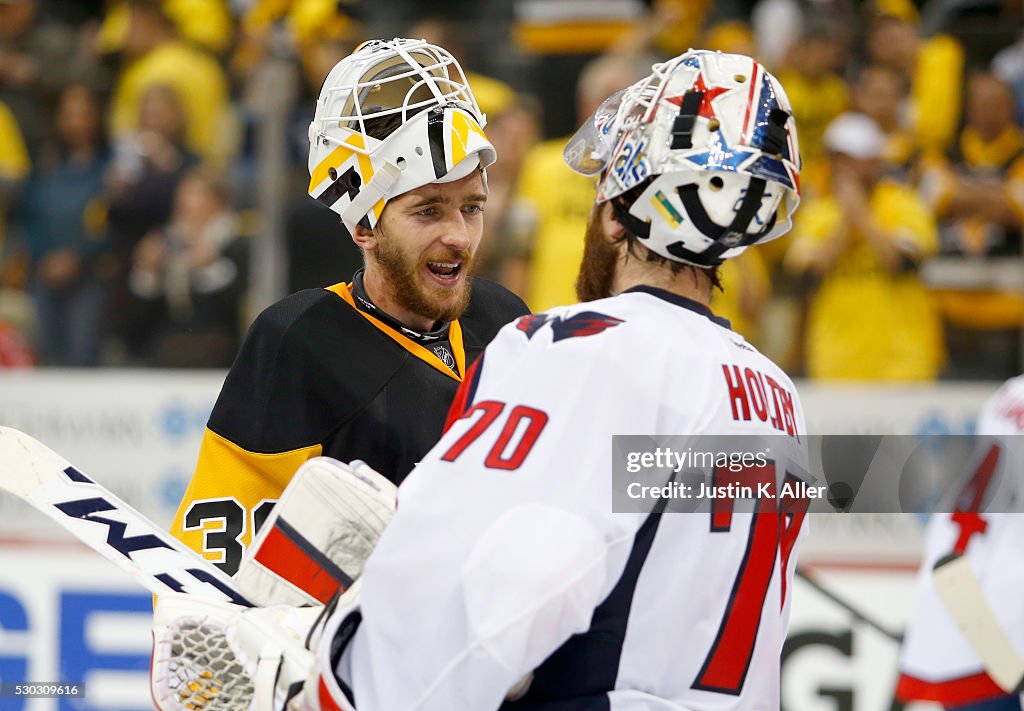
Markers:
point(219, 656)
point(318, 534)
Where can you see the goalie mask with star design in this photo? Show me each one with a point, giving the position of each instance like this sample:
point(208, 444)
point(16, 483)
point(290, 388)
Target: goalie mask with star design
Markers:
point(709, 142)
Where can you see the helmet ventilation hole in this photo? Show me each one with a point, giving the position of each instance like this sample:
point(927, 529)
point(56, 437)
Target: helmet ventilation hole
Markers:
point(419, 151)
point(717, 183)
point(740, 78)
point(333, 173)
point(714, 125)
point(401, 162)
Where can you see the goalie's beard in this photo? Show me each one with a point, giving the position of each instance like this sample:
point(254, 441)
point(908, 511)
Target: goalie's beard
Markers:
point(403, 272)
point(600, 257)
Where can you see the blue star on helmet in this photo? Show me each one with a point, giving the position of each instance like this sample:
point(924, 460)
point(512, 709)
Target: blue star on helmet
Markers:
point(771, 168)
point(720, 157)
point(766, 103)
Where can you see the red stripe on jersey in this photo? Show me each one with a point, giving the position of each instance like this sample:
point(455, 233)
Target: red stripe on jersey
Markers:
point(285, 558)
point(951, 692)
point(327, 702)
point(464, 395)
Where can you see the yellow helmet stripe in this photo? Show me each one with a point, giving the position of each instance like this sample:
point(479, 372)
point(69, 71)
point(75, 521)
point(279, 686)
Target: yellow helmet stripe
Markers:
point(462, 124)
point(338, 157)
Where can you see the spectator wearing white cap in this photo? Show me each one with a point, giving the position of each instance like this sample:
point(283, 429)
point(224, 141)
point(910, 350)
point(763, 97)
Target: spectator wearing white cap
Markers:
point(859, 246)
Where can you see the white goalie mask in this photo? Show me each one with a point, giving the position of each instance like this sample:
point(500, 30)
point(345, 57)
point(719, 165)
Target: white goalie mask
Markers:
point(711, 139)
point(439, 137)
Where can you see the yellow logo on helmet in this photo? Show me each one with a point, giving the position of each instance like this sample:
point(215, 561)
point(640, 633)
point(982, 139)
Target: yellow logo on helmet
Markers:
point(462, 125)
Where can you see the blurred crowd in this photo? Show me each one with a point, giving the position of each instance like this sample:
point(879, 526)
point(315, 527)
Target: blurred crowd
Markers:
point(130, 164)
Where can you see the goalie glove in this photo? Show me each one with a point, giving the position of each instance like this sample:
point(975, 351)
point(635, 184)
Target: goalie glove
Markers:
point(319, 535)
point(216, 656)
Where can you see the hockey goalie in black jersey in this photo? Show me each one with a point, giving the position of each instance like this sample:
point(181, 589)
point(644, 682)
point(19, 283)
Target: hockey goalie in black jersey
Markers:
point(366, 369)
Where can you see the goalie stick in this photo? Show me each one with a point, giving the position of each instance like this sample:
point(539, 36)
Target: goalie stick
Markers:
point(965, 601)
point(855, 612)
point(161, 563)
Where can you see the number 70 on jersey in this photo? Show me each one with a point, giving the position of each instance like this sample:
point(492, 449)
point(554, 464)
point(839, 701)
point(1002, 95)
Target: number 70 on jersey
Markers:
point(771, 535)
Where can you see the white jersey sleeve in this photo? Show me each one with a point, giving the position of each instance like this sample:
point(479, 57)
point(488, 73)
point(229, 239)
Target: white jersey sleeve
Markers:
point(505, 545)
point(937, 663)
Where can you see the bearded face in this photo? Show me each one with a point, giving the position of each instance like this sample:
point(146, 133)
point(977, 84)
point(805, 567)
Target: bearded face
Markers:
point(428, 284)
point(600, 257)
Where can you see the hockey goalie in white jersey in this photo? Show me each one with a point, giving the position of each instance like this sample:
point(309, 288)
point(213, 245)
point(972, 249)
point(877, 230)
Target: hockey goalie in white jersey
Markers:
point(505, 580)
point(505, 567)
point(980, 670)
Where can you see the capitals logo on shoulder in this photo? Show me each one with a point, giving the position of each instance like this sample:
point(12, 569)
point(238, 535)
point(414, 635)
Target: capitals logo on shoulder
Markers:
point(585, 323)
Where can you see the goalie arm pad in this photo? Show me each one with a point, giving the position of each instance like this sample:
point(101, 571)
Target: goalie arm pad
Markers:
point(319, 535)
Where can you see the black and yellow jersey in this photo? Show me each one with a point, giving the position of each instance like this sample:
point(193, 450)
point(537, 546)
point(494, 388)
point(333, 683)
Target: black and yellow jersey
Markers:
point(318, 376)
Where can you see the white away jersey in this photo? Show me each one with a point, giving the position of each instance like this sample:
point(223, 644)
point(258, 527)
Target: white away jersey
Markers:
point(505, 557)
point(937, 663)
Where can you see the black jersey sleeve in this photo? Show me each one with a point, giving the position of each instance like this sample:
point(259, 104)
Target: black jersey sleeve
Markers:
point(308, 363)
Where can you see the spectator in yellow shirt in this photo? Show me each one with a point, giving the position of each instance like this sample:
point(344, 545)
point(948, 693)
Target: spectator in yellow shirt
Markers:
point(933, 67)
point(154, 54)
point(554, 202)
point(505, 248)
point(870, 317)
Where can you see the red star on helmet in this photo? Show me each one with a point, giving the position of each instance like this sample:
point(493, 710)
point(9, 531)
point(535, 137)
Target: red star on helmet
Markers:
point(705, 110)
